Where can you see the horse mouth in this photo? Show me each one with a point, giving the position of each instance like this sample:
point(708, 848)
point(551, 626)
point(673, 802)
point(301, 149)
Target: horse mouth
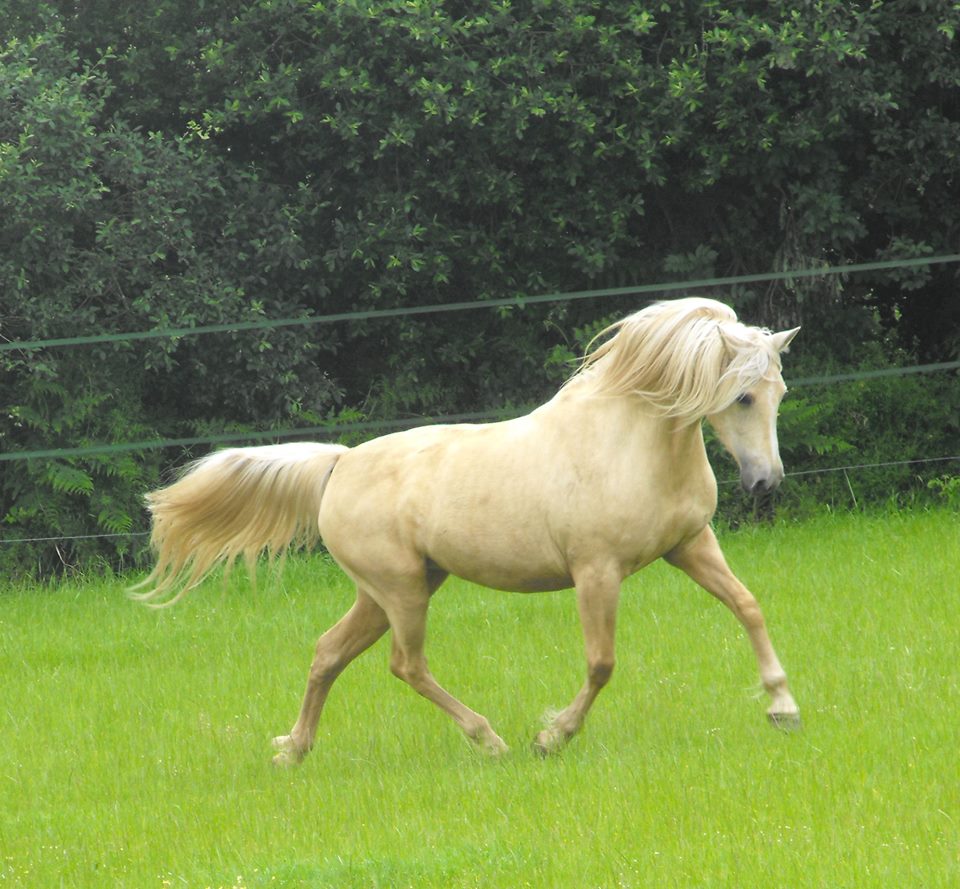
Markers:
point(759, 482)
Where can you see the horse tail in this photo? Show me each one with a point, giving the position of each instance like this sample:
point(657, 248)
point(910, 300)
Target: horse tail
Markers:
point(235, 502)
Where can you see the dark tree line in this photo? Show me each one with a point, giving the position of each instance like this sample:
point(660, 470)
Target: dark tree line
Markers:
point(180, 163)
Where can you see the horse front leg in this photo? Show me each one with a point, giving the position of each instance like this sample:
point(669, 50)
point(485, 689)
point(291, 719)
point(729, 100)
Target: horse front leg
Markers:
point(702, 559)
point(598, 593)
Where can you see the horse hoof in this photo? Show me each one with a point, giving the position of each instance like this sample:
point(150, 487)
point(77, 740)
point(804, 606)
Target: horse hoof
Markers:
point(547, 743)
point(491, 745)
point(287, 752)
point(786, 722)
point(498, 748)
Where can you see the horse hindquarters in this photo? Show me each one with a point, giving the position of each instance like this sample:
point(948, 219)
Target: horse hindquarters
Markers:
point(372, 523)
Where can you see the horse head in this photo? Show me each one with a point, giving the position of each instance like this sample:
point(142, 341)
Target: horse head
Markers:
point(747, 426)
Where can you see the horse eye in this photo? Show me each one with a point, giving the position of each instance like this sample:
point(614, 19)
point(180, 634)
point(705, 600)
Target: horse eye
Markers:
point(746, 399)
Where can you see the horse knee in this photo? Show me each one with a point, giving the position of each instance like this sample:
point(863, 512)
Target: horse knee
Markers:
point(600, 671)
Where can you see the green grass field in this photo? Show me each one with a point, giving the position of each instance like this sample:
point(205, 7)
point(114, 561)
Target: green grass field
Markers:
point(135, 743)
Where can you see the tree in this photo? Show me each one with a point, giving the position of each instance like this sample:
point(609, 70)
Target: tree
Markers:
point(209, 162)
point(110, 229)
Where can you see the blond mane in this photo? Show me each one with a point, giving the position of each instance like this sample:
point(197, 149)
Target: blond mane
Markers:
point(687, 357)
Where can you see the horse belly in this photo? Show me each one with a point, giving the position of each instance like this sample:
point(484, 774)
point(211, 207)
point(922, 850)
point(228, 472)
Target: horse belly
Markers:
point(501, 564)
point(498, 578)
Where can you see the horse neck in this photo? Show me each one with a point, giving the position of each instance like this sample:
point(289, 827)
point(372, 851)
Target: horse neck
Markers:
point(626, 420)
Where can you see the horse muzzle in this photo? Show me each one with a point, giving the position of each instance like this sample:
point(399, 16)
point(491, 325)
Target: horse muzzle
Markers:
point(758, 481)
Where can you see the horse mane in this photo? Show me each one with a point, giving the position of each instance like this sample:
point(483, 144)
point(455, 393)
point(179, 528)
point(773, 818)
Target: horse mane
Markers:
point(686, 357)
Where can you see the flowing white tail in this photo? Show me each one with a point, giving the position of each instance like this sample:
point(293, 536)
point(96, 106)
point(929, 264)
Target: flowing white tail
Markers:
point(237, 502)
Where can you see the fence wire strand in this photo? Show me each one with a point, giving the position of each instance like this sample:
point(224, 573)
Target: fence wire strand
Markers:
point(849, 468)
point(332, 430)
point(473, 305)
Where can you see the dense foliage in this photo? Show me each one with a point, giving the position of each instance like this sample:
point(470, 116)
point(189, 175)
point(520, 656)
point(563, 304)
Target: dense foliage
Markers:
point(190, 163)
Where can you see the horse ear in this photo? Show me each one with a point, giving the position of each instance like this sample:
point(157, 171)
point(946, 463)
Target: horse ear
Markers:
point(781, 341)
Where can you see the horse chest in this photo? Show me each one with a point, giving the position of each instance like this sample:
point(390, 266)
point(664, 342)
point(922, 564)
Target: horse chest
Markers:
point(638, 525)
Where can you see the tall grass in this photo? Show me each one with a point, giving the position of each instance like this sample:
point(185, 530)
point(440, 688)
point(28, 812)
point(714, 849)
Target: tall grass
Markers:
point(135, 742)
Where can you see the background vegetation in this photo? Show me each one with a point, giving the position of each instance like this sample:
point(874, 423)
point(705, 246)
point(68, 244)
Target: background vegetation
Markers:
point(190, 163)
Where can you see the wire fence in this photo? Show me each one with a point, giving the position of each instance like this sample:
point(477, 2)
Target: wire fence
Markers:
point(339, 429)
point(507, 302)
point(333, 430)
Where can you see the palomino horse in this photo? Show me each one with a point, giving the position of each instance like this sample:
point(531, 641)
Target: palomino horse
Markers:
point(606, 477)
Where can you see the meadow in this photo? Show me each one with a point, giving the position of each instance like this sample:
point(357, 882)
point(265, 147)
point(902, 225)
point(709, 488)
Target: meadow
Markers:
point(135, 743)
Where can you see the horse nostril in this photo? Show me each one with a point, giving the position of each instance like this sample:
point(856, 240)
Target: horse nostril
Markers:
point(763, 486)
point(759, 481)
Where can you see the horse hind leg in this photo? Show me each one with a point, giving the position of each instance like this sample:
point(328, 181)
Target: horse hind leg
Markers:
point(703, 561)
point(408, 622)
point(359, 628)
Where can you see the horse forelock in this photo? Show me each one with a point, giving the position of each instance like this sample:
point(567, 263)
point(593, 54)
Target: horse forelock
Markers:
point(688, 358)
